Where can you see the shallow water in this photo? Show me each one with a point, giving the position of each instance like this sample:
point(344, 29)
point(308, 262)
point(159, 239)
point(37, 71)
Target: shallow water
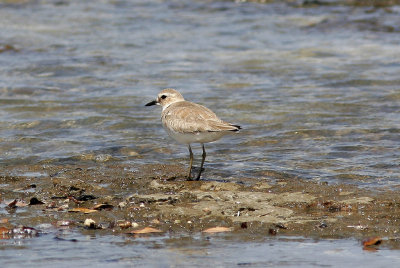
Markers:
point(178, 251)
point(315, 88)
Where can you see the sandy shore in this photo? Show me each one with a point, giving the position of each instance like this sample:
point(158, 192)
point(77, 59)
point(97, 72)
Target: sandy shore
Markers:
point(158, 196)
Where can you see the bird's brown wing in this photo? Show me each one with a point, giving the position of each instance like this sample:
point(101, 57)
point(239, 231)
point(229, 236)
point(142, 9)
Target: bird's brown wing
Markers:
point(188, 117)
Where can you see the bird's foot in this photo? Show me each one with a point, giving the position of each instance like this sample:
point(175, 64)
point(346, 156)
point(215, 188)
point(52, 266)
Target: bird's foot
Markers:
point(190, 178)
point(199, 174)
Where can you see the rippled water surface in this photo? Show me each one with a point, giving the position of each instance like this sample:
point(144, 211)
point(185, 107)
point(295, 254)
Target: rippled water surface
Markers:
point(171, 251)
point(315, 87)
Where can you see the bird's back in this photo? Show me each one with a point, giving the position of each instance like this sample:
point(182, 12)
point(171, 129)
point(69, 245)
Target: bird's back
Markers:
point(189, 117)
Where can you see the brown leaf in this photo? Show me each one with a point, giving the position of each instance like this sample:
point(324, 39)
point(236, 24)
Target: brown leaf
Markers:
point(4, 220)
point(373, 241)
point(16, 203)
point(125, 224)
point(103, 206)
point(4, 233)
point(83, 210)
point(219, 229)
point(146, 230)
point(76, 201)
point(13, 204)
point(3, 230)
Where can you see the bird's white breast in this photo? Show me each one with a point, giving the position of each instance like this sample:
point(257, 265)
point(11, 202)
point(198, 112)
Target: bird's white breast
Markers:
point(196, 137)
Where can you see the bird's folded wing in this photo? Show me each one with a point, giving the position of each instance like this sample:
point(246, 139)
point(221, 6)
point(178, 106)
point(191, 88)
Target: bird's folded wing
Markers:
point(191, 117)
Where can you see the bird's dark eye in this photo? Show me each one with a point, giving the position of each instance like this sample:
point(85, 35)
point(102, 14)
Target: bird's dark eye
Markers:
point(163, 97)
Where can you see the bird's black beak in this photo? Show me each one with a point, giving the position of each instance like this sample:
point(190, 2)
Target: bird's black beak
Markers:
point(154, 102)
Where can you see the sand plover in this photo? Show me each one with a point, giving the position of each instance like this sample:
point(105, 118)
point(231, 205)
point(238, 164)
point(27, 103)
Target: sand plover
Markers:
point(188, 122)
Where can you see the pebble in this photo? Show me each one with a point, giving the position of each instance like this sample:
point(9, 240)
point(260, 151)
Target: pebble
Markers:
point(90, 223)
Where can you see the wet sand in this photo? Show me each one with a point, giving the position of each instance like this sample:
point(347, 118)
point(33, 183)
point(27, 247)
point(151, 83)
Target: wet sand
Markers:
point(158, 196)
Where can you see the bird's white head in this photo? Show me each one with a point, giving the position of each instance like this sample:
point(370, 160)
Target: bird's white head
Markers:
point(166, 97)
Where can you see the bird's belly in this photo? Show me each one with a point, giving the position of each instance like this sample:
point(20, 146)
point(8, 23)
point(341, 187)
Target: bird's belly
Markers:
point(197, 137)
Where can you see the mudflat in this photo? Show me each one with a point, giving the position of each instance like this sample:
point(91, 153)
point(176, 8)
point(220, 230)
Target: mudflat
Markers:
point(119, 200)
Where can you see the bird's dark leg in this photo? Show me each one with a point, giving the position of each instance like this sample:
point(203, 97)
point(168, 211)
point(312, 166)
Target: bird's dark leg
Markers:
point(202, 162)
point(190, 163)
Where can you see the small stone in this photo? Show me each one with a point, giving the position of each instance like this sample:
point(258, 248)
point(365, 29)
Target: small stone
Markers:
point(43, 226)
point(63, 207)
point(262, 186)
point(272, 231)
point(87, 157)
point(155, 221)
point(133, 153)
point(122, 204)
point(206, 209)
point(35, 201)
point(281, 226)
point(64, 223)
point(103, 158)
point(156, 185)
point(91, 224)
point(323, 225)
point(128, 152)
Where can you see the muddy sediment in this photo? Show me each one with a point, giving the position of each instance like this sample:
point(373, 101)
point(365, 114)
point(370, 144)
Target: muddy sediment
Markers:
point(120, 201)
